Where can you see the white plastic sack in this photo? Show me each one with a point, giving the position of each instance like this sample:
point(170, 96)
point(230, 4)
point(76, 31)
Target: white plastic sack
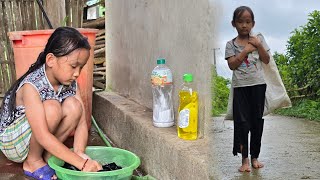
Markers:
point(276, 94)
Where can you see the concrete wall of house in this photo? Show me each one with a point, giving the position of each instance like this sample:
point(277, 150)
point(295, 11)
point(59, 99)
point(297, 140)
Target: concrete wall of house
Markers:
point(140, 31)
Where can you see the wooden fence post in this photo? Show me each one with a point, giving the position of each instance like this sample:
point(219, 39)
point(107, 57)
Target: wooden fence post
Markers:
point(56, 12)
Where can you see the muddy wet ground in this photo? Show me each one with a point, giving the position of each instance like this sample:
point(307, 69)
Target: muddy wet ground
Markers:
point(290, 150)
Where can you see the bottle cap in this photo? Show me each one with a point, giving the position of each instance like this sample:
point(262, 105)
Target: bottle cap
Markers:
point(161, 61)
point(188, 77)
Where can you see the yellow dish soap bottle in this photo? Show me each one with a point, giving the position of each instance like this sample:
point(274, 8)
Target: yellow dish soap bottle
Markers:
point(188, 110)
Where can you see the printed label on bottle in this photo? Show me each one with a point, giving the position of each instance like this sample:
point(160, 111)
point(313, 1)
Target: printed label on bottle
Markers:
point(161, 77)
point(165, 116)
point(184, 118)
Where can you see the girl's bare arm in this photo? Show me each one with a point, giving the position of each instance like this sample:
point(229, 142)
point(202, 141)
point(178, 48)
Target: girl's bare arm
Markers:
point(235, 61)
point(263, 54)
point(81, 133)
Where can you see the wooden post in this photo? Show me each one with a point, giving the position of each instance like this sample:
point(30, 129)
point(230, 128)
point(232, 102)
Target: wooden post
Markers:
point(56, 12)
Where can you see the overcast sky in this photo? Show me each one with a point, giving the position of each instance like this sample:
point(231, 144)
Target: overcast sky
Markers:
point(275, 19)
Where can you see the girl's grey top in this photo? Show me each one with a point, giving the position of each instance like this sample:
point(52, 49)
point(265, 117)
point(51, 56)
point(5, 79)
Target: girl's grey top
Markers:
point(39, 80)
point(250, 71)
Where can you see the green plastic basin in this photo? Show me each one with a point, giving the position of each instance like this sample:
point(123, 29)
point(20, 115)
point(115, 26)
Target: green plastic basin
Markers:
point(126, 159)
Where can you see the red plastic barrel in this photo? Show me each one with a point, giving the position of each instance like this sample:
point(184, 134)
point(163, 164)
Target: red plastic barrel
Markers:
point(28, 44)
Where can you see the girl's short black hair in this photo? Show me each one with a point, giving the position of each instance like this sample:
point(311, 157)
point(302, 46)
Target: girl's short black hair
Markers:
point(239, 11)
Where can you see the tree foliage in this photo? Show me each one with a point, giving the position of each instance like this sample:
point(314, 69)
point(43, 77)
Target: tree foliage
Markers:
point(220, 93)
point(283, 67)
point(301, 65)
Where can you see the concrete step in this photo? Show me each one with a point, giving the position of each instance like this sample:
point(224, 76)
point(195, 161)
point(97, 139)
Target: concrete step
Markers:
point(163, 155)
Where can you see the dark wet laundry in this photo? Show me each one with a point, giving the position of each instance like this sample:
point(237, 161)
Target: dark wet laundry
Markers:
point(110, 167)
point(107, 167)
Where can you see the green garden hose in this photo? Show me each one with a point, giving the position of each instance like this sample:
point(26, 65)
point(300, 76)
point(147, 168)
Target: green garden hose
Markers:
point(104, 139)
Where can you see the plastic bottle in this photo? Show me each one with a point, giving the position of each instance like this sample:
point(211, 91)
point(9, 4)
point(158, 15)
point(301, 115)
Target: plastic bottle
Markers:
point(188, 110)
point(161, 79)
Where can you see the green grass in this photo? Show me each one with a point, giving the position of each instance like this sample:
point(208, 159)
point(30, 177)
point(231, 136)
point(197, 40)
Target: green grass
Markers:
point(308, 109)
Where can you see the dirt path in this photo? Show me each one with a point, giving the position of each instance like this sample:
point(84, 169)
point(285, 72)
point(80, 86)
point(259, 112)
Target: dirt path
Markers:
point(290, 150)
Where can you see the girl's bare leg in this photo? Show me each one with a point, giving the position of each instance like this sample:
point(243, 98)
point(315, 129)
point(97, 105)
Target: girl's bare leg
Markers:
point(61, 119)
point(71, 113)
point(34, 159)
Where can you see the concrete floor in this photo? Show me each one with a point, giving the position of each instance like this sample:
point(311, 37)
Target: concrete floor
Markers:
point(290, 150)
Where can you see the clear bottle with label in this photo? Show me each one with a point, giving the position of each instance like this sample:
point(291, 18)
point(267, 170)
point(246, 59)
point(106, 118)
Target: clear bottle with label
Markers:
point(188, 110)
point(161, 79)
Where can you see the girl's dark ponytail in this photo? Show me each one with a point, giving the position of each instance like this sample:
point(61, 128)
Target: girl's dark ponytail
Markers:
point(12, 100)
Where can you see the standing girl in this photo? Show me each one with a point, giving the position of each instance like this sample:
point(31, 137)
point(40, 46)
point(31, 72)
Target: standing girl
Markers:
point(44, 106)
point(245, 55)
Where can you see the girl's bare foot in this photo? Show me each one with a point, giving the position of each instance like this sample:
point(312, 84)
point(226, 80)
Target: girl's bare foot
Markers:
point(245, 165)
point(256, 164)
